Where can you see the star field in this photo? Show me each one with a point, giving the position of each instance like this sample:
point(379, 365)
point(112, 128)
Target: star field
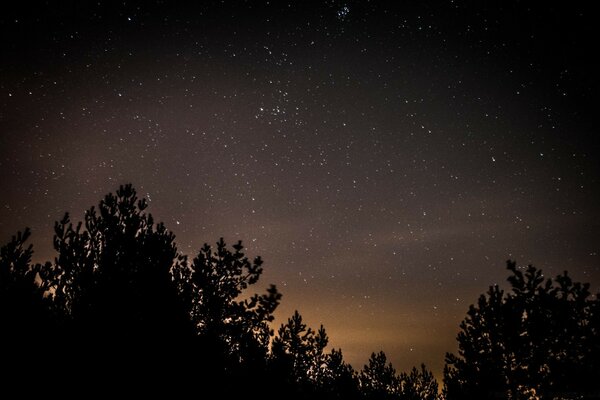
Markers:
point(385, 161)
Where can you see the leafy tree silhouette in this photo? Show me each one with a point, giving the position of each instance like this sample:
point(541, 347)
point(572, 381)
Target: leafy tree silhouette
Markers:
point(540, 339)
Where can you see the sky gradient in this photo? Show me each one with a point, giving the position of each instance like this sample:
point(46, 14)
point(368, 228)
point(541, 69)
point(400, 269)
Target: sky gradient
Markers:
point(385, 161)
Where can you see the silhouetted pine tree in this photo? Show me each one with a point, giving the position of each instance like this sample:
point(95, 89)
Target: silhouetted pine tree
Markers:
point(300, 366)
point(378, 379)
point(297, 355)
point(233, 328)
point(338, 380)
point(419, 384)
point(25, 313)
point(112, 281)
point(542, 338)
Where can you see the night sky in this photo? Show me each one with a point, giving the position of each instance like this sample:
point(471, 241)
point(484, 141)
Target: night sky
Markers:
point(385, 160)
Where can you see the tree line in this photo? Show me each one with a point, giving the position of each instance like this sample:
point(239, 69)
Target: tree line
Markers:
point(121, 310)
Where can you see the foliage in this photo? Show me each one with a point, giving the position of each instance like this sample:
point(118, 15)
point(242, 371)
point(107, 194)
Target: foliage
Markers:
point(378, 379)
point(24, 310)
point(234, 328)
point(120, 295)
point(112, 275)
point(419, 384)
point(540, 338)
point(339, 380)
point(298, 353)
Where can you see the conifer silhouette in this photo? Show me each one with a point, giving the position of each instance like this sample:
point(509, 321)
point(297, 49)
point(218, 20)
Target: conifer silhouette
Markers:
point(542, 338)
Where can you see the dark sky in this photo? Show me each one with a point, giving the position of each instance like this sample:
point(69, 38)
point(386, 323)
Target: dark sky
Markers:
point(385, 160)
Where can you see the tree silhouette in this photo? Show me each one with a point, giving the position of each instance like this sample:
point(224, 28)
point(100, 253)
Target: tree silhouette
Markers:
point(419, 384)
point(378, 379)
point(233, 328)
point(298, 354)
point(338, 380)
point(111, 281)
point(25, 312)
point(120, 308)
point(300, 365)
point(542, 338)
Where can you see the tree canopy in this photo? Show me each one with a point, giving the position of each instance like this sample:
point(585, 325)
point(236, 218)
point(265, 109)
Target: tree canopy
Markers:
point(539, 339)
point(121, 307)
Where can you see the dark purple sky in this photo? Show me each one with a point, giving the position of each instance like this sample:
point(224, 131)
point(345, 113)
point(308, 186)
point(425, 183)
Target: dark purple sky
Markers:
point(385, 161)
